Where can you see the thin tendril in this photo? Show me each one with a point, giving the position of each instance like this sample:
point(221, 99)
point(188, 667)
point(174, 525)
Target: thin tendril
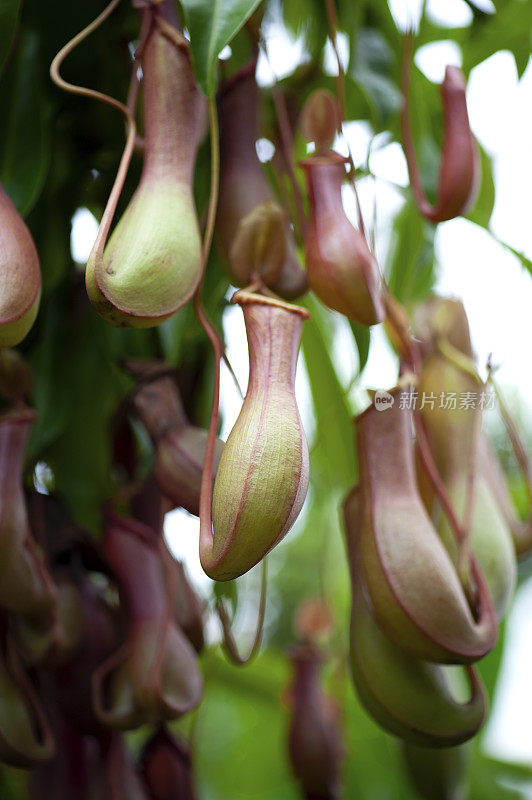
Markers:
point(406, 130)
point(230, 646)
point(340, 94)
point(215, 182)
point(206, 537)
point(286, 141)
point(411, 352)
point(112, 202)
point(465, 549)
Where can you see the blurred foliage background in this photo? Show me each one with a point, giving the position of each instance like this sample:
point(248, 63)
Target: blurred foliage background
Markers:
point(59, 153)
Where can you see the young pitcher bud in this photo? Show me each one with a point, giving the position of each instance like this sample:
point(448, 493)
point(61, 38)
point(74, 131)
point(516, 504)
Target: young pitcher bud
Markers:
point(20, 275)
point(259, 246)
point(154, 676)
point(179, 446)
point(409, 698)
point(16, 380)
point(521, 530)
point(26, 739)
point(71, 681)
point(442, 318)
point(152, 261)
point(413, 585)
point(340, 267)
point(68, 771)
point(52, 642)
point(314, 739)
point(459, 166)
point(244, 191)
point(26, 587)
point(115, 774)
point(262, 477)
point(453, 433)
point(166, 767)
point(320, 119)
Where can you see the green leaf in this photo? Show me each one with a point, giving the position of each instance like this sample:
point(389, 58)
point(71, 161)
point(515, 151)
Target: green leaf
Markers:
point(507, 29)
point(334, 451)
point(410, 267)
point(251, 758)
point(525, 262)
point(362, 338)
point(483, 207)
point(371, 69)
point(25, 139)
point(172, 333)
point(212, 24)
point(498, 780)
point(490, 664)
point(308, 19)
point(9, 11)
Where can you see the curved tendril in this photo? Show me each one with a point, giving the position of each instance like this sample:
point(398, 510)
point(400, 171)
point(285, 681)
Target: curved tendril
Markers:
point(340, 96)
point(217, 344)
point(172, 34)
point(208, 236)
point(465, 549)
point(70, 47)
point(435, 478)
point(395, 312)
point(286, 141)
point(229, 644)
point(218, 350)
point(21, 678)
point(112, 202)
point(463, 363)
point(215, 185)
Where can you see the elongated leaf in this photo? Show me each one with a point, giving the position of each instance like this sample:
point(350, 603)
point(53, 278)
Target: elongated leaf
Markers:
point(483, 207)
point(9, 11)
point(410, 267)
point(372, 69)
point(212, 24)
point(362, 338)
point(334, 451)
point(25, 140)
point(526, 262)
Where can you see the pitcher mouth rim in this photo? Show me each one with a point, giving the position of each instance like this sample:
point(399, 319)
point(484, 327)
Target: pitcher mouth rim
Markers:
point(243, 297)
point(18, 414)
point(330, 157)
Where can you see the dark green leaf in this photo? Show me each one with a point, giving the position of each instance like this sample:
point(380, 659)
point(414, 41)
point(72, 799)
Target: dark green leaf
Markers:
point(9, 12)
point(362, 338)
point(25, 139)
point(372, 69)
point(212, 24)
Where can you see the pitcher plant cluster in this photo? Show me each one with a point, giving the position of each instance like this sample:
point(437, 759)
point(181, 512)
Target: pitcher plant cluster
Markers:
point(431, 531)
